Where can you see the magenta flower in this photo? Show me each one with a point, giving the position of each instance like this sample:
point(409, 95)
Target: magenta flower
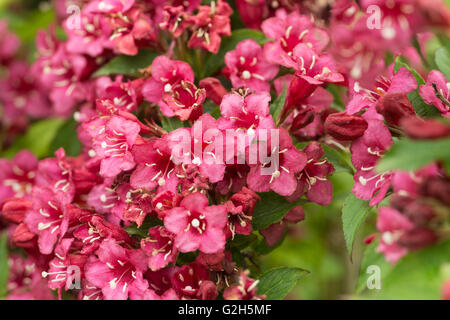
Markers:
point(248, 113)
point(49, 218)
point(248, 68)
point(166, 74)
point(289, 30)
point(114, 145)
point(210, 23)
point(281, 178)
point(313, 179)
point(17, 175)
point(116, 270)
point(197, 225)
point(92, 37)
point(188, 280)
point(430, 96)
point(159, 248)
point(197, 146)
point(185, 100)
point(392, 225)
point(21, 95)
point(95, 229)
point(366, 151)
point(155, 168)
point(401, 82)
point(9, 43)
point(245, 289)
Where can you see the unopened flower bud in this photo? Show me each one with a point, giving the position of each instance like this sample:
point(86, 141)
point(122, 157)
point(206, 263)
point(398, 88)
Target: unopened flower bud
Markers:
point(417, 128)
point(214, 89)
point(343, 126)
point(14, 210)
point(394, 107)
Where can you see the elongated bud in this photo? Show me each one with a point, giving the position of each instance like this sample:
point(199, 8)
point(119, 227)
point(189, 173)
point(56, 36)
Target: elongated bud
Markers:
point(417, 128)
point(394, 107)
point(23, 237)
point(343, 126)
point(14, 210)
point(214, 89)
point(417, 238)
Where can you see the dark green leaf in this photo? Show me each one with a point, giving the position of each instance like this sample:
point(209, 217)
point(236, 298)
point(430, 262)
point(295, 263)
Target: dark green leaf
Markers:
point(354, 212)
point(67, 138)
point(278, 282)
point(241, 242)
point(400, 64)
point(270, 209)
point(411, 155)
point(278, 104)
point(37, 139)
point(172, 123)
point(4, 267)
point(442, 59)
point(262, 248)
point(422, 109)
point(128, 65)
point(215, 61)
point(340, 160)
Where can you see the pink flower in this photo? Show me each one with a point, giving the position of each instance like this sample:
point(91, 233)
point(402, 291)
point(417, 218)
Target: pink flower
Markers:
point(166, 74)
point(188, 280)
point(429, 95)
point(247, 67)
point(9, 43)
point(313, 179)
point(116, 270)
point(197, 225)
point(165, 201)
point(49, 218)
point(17, 175)
point(392, 224)
point(251, 12)
point(289, 30)
point(241, 206)
point(185, 100)
point(91, 37)
point(400, 82)
point(210, 23)
point(155, 168)
point(95, 229)
point(61, 273)
point(25, 281)
point(114, 144)
point(245, 289)
point(159, 248)
point(281, 178)
point(248, 113)
point(175, 20)
point(198, 146)
point(365, 154)
point(21, 95)
point(123, 95)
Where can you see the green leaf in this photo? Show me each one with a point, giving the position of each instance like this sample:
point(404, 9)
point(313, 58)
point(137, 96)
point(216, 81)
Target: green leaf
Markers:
point(340, 160)
point(442, 59)
point(215, 61)
point(354, 212)
point(67, 138)
point(171, 123)
point(128, 65)
point(4, 267)
point(261, 247)
point(415, 276)
point(411, 155)
point(37, 139)
point(277, 105)
point(422, 109)
point(277, 283)
point(270, 209)
point(211, 108)
point(399, 64)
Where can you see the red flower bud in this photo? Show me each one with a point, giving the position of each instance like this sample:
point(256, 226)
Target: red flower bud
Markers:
point(436, 187)
point(417, 128)
point(207, 291)
point(295, 215)
point(394, 107)
point(302, 119)
point(446, 290)
point(214, 89)
point(343, 126)
point(23, 237)
point(417, 238)
point(14, 210)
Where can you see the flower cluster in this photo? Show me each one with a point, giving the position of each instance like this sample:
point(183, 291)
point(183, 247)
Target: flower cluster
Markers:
point(175, 160)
